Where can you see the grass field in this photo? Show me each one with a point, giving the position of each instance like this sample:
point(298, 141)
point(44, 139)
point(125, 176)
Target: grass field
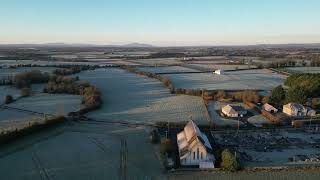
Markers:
point(137, 98)
point(212, 67)
point(89, 150)
point(234, 80)
point(303, 69)
point(57, 104)
point(12, 72)
point(167, 69)
point(158, 61)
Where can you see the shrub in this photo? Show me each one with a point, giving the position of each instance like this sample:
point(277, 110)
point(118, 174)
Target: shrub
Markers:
point(220, 95)
point(247, 96)
point(8, 99)
point(265, 99)
point(229, 161)
point(91, 96)
point(166, 146)
point(297, 94)
point(67, 71)
point(25, 79)
point(154, 136)
point(315, 103)
point(25, 92)
point(310, 83)
point(278, 95)
point(62, 84)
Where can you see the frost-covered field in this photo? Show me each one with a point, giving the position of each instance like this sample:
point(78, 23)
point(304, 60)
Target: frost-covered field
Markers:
point(304, 69)
point(57, 104)
point(11, 72)
point(91, 150)
point(112, 62)
point(137, 98)
point(167, 69)
point(43, 63)
point(213, 67)
point(158, 61)
point(14, 62)
point(235, 80)
point(80, 152)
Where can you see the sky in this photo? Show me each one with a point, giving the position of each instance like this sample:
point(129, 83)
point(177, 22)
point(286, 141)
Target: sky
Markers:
point(160, 22)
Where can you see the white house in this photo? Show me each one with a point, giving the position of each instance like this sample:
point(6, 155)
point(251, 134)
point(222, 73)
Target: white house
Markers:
point(194, 147)
point(218, 71)
point(294, 109)
point(270, 108)
point(233, 111)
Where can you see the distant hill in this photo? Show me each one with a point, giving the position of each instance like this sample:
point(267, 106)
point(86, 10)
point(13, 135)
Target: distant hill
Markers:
point(142, 45)
point(137, 45)
point(310, 45)
point(58, 44)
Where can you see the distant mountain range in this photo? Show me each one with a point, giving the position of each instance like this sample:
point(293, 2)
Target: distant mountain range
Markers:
point(131, 45)
point(137, 45)
point(142, 45)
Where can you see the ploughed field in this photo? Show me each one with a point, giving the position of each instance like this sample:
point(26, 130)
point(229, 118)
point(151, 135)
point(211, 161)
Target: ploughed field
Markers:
point(260, 79)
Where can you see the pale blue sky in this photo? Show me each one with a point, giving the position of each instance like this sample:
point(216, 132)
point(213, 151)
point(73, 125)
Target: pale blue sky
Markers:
point(160, 22)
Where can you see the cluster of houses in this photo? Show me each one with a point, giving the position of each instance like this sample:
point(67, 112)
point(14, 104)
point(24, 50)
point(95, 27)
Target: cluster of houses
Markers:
point(291, 109)
point(294, 109)
point(195, 148)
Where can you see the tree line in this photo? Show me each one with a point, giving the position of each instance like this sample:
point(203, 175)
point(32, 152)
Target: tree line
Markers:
point(91, 96)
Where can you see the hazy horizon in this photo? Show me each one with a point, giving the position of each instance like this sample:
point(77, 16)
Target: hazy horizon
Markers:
point(160, 23)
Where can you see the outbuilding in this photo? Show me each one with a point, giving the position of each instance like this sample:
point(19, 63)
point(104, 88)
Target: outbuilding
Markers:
point(218, 71)
point(270, 108)
point(233, 111)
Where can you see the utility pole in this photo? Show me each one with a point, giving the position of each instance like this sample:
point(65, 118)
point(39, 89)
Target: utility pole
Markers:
point(310, 122)
point(168, 130)
point(238, 125)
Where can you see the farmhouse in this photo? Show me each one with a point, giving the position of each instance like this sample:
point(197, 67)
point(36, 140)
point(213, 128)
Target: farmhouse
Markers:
point(194, 147)
point(233, 111)
point(270, 108)
point(219, 71)
point(294, 109)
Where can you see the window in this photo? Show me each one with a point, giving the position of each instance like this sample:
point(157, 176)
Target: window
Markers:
point(201, 156)
point(194, 155)
point(197, 153)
